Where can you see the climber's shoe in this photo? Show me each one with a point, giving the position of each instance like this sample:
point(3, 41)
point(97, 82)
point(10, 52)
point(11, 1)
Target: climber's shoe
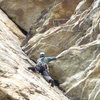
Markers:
point(32, 68)
point(29, 68)
point(52, 83)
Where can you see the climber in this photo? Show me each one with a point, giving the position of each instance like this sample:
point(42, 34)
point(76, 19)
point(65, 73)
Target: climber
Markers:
point(42, 67)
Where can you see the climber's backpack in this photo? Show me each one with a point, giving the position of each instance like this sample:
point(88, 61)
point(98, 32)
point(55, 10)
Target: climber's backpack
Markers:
point(41, 62)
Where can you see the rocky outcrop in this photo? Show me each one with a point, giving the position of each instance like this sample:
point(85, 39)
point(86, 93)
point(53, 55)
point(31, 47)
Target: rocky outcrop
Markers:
point(11, 27)
point(73, 33)
point(27, 12)
point(16, 82)
point(80, 26)
point(79, 41)
point(80, 67)
point(29, 15)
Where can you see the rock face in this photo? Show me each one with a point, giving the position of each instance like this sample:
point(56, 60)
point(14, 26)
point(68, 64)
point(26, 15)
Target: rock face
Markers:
point(16, 82)
point(72, 32)
point(27, 12)
point(11, 27)
point(79, 41)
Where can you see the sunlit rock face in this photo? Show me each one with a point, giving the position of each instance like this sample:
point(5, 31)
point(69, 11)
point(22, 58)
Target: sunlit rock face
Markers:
point(78, 41)
point(27, 12)
point(78, 30)
point(79, 70)
point(16, 82)
point(10, 27)
point(41, 14)
point(72, 31)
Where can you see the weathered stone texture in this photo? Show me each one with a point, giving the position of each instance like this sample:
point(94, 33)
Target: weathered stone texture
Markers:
point(73, 32)
point(27, 12)
point(16, 82)
point(11, 27)
point(79, 41)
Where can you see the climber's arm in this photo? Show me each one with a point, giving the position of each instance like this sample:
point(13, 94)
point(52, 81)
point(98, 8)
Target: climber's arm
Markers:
point(59, 56)
point(51, 59)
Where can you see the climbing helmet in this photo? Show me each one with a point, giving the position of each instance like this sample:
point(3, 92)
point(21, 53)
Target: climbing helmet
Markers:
point(42, 54)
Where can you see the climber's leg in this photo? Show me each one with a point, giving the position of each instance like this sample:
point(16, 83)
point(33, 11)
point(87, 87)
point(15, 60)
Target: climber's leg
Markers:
point(47, 77)
point(32, 68)
point(49, 80)
point(35, 68)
